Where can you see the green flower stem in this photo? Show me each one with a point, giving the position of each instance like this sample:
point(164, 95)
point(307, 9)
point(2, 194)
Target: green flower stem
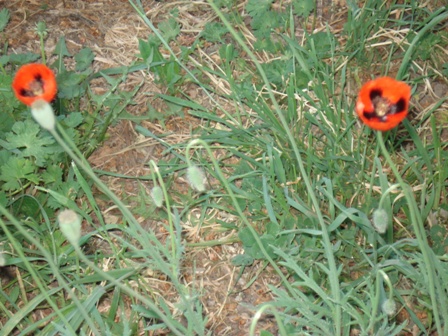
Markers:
point(389, 284)
point(419, 230)
point(53, 267)
point(170, 217)
point(393, 187)
point(381, 276)
point(368, 201)
point(126, 289)
point(2, 68)
point(281, 328)
point(238, 208)
point(41, 31)
point(438, 16)
point(390, 225)
point(217, 242)
point(333, 272)
point(82, 163)
point(42, 49)
point(70, 143)
point(140, 11)
point(375, 304)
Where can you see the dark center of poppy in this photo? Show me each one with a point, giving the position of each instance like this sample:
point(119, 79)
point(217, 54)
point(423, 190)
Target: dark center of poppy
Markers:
point(36, 87)
point(382, 107)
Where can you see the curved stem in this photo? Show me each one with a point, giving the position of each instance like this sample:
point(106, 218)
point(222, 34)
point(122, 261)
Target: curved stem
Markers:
point(54, 268)
point(281, 328)
point(333, 273)
point(81, 162)
point(239, 211)
point(170, 216)
point(417, 223)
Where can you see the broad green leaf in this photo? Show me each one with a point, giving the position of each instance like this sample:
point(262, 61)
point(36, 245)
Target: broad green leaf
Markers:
point(84, 59)
point(20, 59)
point(4, 18)
point(9, 103)
point(52, 175)
point(169, 29)
point(213, 31)
point(303, 7)
point(258, 8)
point(73, 119)
point(69, 84)
point(15, 170)
point(27, 138)
point(61, 49)
point(242, 260)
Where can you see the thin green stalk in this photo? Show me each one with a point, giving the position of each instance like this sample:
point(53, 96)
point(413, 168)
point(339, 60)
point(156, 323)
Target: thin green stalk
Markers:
point(54, 270)
point(442, 175)
point(368, 201)
point(170, 217)
point(218, 242)
point(281, 328)
point(238, 209)
point(441, 15)
point(70, 143)
point(333, 273)
point(140, 12)
point(42, 49)
point(384, 198)
point(419, 230)
point(128, 290)
point(80, 161)
point(2, 68)
point(41, 31)
point(375, 303)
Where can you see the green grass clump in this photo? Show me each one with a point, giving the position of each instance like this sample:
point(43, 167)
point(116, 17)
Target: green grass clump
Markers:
point(353, 223)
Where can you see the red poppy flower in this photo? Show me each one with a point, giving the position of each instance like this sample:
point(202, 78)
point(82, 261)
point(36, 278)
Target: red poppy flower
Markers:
point(33, 82)
point(383, 103)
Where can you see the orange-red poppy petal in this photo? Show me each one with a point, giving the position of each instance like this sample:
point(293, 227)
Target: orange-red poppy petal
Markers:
point(33, 82)
point(383, 103)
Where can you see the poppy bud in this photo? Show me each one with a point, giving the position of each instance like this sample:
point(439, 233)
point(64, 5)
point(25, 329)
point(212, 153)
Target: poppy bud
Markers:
point(43, 113)
point(196, 178)
point(70, 224)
